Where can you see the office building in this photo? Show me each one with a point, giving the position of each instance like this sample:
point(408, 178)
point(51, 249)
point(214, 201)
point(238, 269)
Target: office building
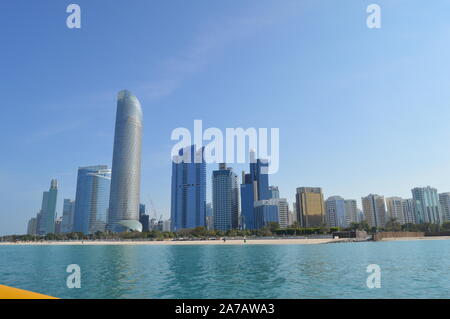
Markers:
point(254, 187)
point(68, 215)
point(335, 212)
point(351, 211)
point(310, 207)
point(126, 166)
point(47, 215)
point(225, 198)
point(92, 199)
point(32, 226)
point(188, 195)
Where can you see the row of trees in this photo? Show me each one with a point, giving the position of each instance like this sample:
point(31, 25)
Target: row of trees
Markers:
point(393, 225)
point(272, 229)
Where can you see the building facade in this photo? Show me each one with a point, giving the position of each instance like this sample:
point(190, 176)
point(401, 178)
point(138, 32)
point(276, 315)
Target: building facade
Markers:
point(126, 165)
point(254, 187)
point(335, 212)
point(351, 211)
point(225, 198)
point(310, 207)
point(444, 200)
point(427, 208)
point(374, 210)
point(395, 209)
point(68, 215)
point(188, 194)
point(47, 216)
point(92, 199)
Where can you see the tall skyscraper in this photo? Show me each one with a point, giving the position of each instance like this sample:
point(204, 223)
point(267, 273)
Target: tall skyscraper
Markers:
point(254, 187)
point(395, 209)
point(92, 199)
point(444, 200)
point(335, 211)
point(47, 215)
point(310, 207)
point(225, 198)
point(426, 205)
point(408, 211)
point(351, 211)
point(188, 199)
point(68, 215)
point(126, 165)
point(374, 210)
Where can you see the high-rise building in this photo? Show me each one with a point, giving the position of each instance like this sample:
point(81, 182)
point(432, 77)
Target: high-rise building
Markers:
point(426, 205)
point(335, 212)
point(225, 198)
point(126, 165)
point(266, 211)
point(444, 200)
point(408, 211)
point(166, 225)
point(351, 211)
point(68, 215)
point(310, 207)
point(254, 187)
point(144, 219)
point(32, 226)
point(47, 215)
point(274, 192)
point(395, 209)
point(374, 209)
point(58, 222)
point(188, 199)
point(92, 199)
point(209, 216)
point(283, 212)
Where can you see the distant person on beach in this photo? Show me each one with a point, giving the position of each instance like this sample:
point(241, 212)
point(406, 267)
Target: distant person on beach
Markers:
point(224, 240)
point(245, 239)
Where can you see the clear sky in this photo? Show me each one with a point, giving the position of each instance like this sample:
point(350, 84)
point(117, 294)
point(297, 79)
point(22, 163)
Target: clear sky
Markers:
point(359, 110)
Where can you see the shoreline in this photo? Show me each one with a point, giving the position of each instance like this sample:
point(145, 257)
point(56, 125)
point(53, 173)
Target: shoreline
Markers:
point(416, 238)
point(229, 242)
point(281, 241)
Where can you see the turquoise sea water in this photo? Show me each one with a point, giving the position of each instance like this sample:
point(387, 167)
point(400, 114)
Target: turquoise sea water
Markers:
point(414, 269)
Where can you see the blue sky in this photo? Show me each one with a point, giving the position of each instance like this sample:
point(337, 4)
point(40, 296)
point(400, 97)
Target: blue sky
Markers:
point(359, 110)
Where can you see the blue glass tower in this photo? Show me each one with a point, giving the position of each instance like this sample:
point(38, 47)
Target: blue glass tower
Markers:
point(92, 199)
point(47, 216)
point(254, 187)
point(225, 199)
point(188, 198)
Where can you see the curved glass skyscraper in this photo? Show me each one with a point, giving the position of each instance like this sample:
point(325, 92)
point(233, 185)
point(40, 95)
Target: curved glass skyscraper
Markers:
point(126, 166)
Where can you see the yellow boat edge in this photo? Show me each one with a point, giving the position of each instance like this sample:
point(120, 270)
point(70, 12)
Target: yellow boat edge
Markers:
point(15, 293)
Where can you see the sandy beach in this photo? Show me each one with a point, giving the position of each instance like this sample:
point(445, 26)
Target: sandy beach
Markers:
point(280, 241)
point(417, 238)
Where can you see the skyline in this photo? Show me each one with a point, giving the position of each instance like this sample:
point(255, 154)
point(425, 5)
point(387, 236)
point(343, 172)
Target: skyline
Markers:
point(369, 133)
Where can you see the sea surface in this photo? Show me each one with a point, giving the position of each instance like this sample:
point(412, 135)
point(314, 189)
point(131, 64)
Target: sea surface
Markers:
point(409, 269)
